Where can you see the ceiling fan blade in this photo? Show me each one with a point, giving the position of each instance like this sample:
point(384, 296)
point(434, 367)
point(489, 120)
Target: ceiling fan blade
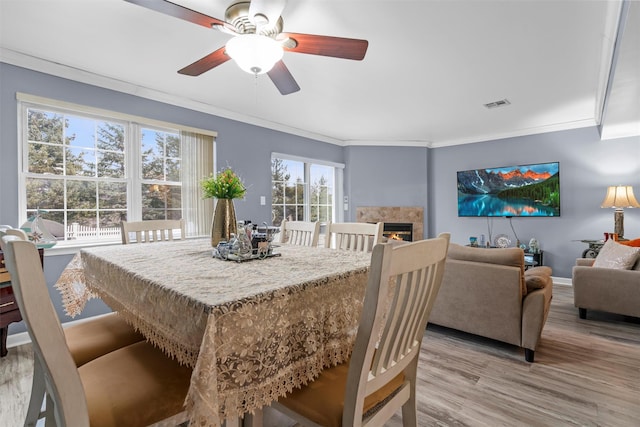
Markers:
point(181, 12)
point(282, 78)
point(337, 47)
point(205, 64)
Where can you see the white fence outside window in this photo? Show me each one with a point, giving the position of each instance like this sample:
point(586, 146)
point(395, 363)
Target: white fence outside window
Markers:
point(77, 231)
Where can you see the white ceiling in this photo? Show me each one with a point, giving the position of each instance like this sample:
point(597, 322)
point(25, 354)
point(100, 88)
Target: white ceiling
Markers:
point(429, 68)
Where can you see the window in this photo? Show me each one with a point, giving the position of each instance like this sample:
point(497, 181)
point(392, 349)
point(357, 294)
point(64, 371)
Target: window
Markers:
point(304, 189)
point(90, 170)
point(161, 185)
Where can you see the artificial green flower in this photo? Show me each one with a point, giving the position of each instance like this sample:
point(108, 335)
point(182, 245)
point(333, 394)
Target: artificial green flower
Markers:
point(225, 185)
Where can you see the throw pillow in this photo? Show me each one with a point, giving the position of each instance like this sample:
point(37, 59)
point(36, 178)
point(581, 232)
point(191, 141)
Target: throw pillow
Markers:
point(614, 255)
point(536, 282)
point(634, 243)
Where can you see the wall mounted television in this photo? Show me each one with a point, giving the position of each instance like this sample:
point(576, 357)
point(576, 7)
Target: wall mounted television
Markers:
point(520, 191)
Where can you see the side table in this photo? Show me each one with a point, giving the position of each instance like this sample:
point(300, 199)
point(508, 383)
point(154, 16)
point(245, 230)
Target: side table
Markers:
point(9, 311)
point(534, 259)
point(593, 249)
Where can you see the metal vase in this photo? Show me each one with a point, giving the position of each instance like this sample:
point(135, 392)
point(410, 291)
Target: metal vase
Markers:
point(224, 221)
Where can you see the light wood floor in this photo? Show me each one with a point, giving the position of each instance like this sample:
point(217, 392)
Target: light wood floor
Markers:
point(587, 373)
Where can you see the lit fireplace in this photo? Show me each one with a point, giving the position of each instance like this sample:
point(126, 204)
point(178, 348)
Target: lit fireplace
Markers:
point(394, 216)
point(398, 231)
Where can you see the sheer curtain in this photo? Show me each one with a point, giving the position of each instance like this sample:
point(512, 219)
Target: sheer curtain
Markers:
point(197, 163)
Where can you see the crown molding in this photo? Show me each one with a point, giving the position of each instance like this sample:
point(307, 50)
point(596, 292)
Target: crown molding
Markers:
point(79, 75)
point(76, 74)
point(518, 132)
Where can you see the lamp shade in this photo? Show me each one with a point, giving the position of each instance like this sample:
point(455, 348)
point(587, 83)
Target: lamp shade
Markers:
point(620, 196)
point(254, 53)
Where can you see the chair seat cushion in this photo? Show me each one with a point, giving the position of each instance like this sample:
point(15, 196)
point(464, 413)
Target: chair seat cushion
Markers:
point(97, 337)
point(322, 400)
point(145, 386)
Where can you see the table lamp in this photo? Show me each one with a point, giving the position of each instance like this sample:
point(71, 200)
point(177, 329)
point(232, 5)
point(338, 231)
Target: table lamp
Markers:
point(619, 197)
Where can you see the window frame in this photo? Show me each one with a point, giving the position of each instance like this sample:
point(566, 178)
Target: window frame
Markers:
point(133, 154)
point(338, 182)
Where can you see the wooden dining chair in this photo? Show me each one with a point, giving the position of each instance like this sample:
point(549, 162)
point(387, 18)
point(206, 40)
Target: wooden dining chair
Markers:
point(86, 341)
point(300, 233)
point(380, 376)
point(14, 232)
point(353, 236)
point(136, 385)
point(157, 230)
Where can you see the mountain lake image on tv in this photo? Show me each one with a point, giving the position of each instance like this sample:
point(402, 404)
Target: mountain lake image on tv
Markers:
point(524, 190)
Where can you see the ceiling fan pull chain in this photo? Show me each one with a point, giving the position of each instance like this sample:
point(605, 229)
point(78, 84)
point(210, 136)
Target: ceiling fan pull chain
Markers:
point(255, 76)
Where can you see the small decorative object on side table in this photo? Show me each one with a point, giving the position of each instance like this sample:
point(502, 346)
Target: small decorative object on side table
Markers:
point(502, 241)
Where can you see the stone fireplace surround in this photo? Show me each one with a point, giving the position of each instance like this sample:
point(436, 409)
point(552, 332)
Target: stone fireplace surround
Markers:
point(409, 214)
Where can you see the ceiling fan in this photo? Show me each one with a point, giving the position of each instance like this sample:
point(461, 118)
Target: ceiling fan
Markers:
point(258, 41)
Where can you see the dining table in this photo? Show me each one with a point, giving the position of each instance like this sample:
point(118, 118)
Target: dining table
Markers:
point(252, 331)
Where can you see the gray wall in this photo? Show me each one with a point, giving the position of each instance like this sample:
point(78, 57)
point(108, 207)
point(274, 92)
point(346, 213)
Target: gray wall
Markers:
point(587, 167)
point(386, 176)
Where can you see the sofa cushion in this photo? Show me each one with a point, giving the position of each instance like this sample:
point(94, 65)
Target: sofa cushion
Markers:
point(615, 255)
point(538, 271)
point(538, 278)
point(513, 257)
point(502, 256)
point(534, 282)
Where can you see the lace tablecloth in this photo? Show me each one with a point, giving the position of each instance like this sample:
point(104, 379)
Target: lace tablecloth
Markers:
point(252, 331)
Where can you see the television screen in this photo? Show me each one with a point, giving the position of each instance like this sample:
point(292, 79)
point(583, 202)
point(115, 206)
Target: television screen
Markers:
point(524, 190)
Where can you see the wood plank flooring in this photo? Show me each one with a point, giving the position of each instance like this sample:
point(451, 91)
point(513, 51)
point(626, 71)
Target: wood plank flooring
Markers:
point(587, 373)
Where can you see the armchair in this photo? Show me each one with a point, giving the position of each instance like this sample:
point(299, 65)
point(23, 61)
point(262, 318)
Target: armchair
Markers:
point(486, 292)
point(606, 289)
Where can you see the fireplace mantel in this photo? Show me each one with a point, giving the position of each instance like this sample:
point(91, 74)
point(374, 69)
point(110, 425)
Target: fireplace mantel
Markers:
point(412, 214)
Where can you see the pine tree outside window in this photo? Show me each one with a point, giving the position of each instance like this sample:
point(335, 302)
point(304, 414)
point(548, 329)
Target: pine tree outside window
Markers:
point(304, 189)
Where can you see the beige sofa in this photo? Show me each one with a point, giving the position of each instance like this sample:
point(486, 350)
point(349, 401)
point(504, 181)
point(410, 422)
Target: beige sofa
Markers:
point(484, 292)
point(606, 289)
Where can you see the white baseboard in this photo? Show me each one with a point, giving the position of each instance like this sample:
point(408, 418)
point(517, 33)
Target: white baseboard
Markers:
point(21, 338)
point(14, 340)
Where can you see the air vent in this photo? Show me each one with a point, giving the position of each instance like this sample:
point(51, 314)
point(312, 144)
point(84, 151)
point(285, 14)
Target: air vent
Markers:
point(496, 104)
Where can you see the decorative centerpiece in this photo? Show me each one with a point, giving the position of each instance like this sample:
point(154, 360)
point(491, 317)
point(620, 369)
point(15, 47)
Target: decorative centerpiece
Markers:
point(225, 186)
point(247, 244)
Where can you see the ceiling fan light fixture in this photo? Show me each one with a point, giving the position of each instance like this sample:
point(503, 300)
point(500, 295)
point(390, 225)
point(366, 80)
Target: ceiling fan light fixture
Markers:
point(254, 53)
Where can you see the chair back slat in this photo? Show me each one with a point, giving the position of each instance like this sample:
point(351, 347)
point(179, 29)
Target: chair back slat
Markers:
point(353, 236)
point(300, 233)
point(403, 283)
point(157, 230)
